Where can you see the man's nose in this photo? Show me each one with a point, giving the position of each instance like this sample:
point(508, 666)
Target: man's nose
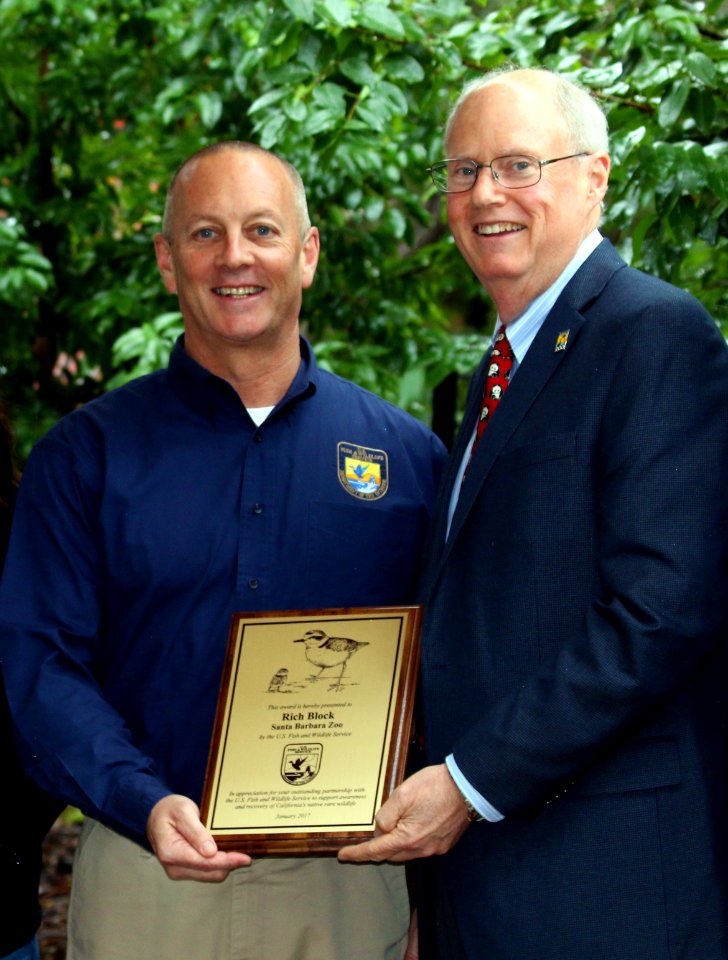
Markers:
point(237, 251)
point(486, 188)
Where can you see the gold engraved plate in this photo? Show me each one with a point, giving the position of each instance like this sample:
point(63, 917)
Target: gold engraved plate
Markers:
point(312, 728)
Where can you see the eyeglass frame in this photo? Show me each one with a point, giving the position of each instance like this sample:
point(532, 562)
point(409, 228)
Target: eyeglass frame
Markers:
point(479, 166)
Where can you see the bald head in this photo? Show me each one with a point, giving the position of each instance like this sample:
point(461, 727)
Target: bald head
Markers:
point(185, 171)
point(584, 122)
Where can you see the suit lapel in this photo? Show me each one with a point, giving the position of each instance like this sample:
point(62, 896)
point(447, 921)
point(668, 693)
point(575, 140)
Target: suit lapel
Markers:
point(545, 355)
point(536, 370)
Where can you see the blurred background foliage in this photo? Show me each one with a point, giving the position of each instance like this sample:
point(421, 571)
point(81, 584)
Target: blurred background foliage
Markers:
point(101, 100)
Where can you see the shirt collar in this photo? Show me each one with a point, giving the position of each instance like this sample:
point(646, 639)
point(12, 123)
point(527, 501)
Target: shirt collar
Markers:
point(213, 396)
point(522, 331)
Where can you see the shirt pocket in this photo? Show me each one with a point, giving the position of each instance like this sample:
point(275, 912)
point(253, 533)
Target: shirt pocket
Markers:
point(361, 555)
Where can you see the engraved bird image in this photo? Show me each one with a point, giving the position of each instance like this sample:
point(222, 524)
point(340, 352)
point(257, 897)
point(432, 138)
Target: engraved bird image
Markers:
point(278, 679)
point(326, 652)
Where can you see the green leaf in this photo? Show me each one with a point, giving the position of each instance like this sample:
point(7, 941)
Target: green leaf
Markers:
point(35, 279)
point(671, 106)
point(692, 172)
point(357, 70)
point(288, 73)
point(309, 52)
point(271, 130)
point(267, 99)
point(301, 9)
point(374, 113)
point(623, 145)
point(411, 386)
point(28, 257)
point(332, 97)
point(704, 106)
point(396, 222)
point(373, 208)
point(169, 323)
point(461, 29)
point(335, 11)
point(295, 110)
point(402, 66)
point(561, 22)
point(380, 19)
point(129, 345)
point(318, 121)
point(210, 107)
point(702, 68)
point(394, 96)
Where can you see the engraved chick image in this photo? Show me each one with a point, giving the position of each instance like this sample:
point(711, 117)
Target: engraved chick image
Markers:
point(327, 652)
point(278, 680)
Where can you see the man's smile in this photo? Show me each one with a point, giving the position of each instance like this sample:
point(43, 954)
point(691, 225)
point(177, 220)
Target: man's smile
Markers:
point(236, 291)
point(489, 229)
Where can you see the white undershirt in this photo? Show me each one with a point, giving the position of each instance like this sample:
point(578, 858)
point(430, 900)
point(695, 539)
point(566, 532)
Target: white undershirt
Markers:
point(258, 414)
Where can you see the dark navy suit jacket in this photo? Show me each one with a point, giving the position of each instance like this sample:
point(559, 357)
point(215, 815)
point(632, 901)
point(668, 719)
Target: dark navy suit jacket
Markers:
point(574, 655)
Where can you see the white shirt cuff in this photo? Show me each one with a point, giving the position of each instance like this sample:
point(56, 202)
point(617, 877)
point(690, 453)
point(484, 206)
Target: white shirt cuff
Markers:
point(485, 809)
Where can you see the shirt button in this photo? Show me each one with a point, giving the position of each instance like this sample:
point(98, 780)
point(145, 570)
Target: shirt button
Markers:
point(253, 583)
point(258, 438)
point(257, 508)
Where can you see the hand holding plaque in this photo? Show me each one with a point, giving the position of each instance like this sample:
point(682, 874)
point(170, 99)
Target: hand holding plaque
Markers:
point(312, 728)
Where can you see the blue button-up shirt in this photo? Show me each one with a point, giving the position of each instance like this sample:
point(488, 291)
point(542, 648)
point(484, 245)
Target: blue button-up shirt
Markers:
point(150, 515)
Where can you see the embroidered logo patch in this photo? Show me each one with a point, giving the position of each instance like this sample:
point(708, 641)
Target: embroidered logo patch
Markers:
point(363, 471)
point(301, 762)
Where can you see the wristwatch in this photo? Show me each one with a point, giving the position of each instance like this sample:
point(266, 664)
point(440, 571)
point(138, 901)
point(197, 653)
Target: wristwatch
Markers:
point(473, 815)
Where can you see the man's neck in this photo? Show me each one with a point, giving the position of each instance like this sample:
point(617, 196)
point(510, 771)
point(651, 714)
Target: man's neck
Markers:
point(512, 299)
point(259, 375)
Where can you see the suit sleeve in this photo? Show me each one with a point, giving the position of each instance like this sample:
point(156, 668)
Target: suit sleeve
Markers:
point(658, 466)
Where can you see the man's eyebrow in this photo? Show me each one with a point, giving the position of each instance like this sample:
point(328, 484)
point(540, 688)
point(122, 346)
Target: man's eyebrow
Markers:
point(268, 213)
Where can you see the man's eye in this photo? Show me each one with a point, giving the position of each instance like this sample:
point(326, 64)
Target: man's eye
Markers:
point(521, 165)
point(262, 231)
point(464, 170)
point(205, 233)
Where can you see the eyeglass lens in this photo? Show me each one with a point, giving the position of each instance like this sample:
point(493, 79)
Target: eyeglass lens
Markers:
point(455, 176)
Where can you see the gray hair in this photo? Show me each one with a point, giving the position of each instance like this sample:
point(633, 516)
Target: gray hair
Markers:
point(299, 191)
point(585, 122)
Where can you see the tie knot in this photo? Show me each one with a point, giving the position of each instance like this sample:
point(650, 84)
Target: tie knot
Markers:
point(501, 360)
point(502, 346)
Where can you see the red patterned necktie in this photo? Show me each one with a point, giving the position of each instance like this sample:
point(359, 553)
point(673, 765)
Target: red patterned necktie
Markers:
point(499, 372)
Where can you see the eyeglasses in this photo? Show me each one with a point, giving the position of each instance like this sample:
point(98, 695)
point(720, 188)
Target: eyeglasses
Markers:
point(457, 176)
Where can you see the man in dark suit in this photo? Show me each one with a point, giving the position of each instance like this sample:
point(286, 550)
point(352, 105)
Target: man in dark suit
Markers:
point(573, 663)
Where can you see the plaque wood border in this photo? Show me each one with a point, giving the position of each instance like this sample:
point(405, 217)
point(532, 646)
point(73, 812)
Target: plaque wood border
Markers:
point(341, 820)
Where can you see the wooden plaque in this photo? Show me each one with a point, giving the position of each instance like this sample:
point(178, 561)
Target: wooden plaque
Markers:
point(312, 729)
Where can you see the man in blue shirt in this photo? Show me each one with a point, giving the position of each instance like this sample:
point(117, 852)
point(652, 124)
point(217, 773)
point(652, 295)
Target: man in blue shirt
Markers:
point(150, 515)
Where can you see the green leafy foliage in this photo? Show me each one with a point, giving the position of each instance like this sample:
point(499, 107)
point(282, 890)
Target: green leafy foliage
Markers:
point(103, 99)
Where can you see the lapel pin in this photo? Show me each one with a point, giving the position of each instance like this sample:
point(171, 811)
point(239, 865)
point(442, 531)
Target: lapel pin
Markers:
point(561, 341)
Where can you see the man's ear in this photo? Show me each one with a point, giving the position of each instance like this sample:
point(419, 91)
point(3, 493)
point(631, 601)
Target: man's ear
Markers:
point(164, 262)
point(309, 257)
point(599, 175)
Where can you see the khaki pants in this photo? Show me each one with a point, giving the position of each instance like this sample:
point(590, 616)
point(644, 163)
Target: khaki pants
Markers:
point(124, 907)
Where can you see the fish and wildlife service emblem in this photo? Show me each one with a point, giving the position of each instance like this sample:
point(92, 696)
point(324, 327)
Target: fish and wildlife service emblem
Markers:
point(561, 341)
point(301, 762)
point(363, 471)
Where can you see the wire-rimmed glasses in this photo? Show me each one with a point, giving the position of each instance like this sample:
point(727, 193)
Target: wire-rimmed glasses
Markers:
point(512, 172)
